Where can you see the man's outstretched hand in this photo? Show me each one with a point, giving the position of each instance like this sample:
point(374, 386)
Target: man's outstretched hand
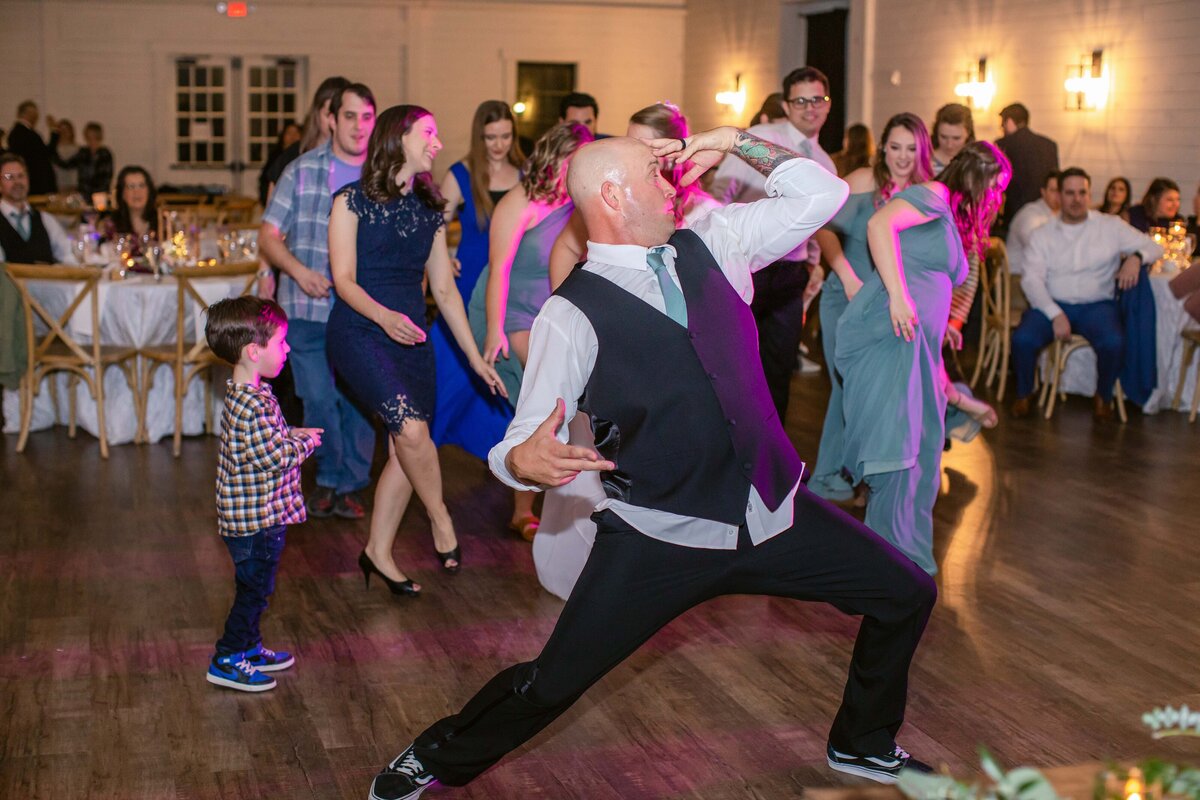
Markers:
point(543, 460)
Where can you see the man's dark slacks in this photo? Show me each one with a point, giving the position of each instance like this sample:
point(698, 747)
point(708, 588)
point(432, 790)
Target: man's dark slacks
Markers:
point(778, 308)
point(633, 585)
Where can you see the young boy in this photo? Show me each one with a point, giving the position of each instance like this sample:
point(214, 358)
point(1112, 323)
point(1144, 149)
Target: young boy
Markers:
point(258, 482)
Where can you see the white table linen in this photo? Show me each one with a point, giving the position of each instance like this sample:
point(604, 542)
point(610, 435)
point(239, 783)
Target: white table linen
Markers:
point(138, 312)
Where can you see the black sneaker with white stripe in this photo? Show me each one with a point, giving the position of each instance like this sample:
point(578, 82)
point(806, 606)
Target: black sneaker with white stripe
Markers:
point(403, 779)
point(882, 769)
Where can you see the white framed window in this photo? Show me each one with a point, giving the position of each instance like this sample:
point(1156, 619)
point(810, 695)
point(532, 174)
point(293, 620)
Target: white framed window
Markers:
point(230, 109)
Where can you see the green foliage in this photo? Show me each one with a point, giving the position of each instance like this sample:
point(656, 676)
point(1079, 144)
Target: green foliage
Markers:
point(1022, 783)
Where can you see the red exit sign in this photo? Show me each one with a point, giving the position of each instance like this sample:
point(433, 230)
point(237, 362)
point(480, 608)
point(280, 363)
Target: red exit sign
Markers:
point(234, 10)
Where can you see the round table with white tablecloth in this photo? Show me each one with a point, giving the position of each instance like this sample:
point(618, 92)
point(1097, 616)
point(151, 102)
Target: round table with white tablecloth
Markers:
point(138, 311)
point(1170, 319)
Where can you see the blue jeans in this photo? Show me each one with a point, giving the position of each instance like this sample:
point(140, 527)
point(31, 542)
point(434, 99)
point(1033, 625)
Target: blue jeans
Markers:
point(1099, 323)
point(255, 560)
point(348, 444)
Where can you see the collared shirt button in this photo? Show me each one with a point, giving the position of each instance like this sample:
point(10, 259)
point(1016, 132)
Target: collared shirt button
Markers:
point(731, 421)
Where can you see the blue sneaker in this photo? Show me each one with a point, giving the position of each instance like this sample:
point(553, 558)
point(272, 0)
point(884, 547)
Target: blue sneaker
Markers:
point(264, 659)
point(235, 672)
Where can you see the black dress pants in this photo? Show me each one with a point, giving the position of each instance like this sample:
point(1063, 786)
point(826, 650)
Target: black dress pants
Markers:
point(633, 585)
point(778, 308)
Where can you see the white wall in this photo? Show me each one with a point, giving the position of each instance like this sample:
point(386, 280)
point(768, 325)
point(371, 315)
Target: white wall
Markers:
point(112, 61)
point(1151, 124)
point(1150, 127)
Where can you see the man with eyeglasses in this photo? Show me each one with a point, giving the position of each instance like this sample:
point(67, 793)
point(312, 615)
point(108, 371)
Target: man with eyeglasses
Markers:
point(27, 236)
point(780, 290)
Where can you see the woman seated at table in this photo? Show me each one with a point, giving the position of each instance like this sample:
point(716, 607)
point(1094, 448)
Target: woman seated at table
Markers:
point(1116, 198)
point(1159, 206)
point(135, 215)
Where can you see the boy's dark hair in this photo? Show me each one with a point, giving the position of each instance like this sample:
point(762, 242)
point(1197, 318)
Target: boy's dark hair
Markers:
point(577, 100)
point(358, 89)
point(238, 321)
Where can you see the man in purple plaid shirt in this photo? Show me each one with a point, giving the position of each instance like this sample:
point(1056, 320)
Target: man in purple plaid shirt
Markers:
point(258, 482)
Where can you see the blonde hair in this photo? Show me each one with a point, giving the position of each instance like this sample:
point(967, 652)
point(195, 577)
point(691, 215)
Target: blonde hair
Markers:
point(545, 180)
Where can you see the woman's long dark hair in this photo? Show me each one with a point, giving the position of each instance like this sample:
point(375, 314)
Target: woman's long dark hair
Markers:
point(1123, 209)
point(973, 178)
point(385, 158)
point(489, 111)
point(121, 220)
point(1154, 192)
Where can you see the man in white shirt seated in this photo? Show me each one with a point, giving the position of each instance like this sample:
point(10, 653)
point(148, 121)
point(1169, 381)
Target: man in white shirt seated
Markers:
point(651, 337)
point(1031, 217)
point(27, 236)
point(1073, 267)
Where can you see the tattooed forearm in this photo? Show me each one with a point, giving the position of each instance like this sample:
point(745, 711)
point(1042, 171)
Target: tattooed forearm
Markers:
point(761, 154)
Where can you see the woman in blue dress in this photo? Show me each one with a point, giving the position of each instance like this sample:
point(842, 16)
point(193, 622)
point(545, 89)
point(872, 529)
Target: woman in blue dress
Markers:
point(386, 232)
point(902, 159)
point(467, 414)
point(516, 282)
point(889, 342)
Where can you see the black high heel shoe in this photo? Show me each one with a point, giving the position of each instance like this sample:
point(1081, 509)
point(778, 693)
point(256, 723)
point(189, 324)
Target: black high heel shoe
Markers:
point(454, 555)
point(406, 587)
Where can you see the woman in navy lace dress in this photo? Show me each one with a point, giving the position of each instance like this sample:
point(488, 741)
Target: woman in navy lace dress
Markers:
point(385, 232)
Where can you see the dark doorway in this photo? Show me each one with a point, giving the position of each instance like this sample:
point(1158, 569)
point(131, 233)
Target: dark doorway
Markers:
point(541, 87)
point(826, 48)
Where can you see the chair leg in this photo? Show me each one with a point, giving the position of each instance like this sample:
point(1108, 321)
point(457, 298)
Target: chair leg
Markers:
point(1119, 396)
point(1188, 348)
point(180, 390)
point(1055, 372)
point(148, 370)
point(982, 357)
point(993, 362)
point(26, 411)
point(98, 393)
point(1005, 344)
point(72, 390)
point(1195, 396)
point(130, 369)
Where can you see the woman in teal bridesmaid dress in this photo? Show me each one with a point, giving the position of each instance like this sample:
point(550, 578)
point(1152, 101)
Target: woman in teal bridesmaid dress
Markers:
point(889, 342)
point(902, 159)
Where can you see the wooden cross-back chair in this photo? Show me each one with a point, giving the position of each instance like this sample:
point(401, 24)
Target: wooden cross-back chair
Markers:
point(189, 355)
point(59, 351)
point(237, 209)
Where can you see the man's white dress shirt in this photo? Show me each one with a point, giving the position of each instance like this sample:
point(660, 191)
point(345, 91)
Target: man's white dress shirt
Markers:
point(1078, 263)
point(743, 238)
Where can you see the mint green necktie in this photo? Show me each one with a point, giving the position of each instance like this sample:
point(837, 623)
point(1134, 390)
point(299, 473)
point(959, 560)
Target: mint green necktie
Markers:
point(672, 296)
point(21, 223)
point(806, 149)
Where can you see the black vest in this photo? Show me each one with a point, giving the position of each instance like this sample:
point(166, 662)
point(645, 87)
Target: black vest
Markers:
point(684, 413)
point(35, 251)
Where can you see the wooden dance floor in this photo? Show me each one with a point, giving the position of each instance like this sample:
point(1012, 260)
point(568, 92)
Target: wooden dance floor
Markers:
point(1069, 585)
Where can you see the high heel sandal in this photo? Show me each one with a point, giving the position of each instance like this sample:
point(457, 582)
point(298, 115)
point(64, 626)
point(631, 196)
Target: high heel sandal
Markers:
point(454, 555)
point(405, 587)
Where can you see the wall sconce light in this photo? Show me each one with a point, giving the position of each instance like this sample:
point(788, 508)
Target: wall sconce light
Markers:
point(976, 86)
point(735, 100)
point(1087, 83)
point(519, 108)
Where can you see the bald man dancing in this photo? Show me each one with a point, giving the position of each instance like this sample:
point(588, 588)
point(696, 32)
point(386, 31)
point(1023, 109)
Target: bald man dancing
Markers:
point(653, 337)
